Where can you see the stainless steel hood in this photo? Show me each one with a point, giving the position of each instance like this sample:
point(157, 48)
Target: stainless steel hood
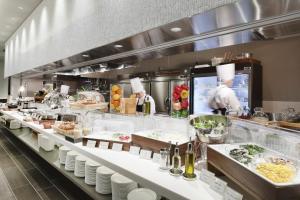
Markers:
point(241, 22)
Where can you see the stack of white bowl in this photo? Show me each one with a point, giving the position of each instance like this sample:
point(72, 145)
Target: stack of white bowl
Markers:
point(70, 160)
point(79, 170)
point(121, 186)
point(142, 193)
point(90, 172)
point(63, 150)
point(103, 182)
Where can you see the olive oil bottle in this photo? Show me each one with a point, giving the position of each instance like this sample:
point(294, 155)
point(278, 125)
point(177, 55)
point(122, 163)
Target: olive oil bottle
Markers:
point(147, 106)
point(189, 162)
point(176, 160)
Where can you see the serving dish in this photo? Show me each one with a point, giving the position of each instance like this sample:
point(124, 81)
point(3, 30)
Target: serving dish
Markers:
point(211, 129)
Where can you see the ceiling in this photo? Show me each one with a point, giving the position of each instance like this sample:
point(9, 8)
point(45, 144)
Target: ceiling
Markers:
point(12, 15)
point(237, 23)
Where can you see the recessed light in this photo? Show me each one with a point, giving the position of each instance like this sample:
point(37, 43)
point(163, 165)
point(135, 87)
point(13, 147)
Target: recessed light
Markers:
point(118, 46)
point(85, 55)
point(20, 8)
point(176, 29)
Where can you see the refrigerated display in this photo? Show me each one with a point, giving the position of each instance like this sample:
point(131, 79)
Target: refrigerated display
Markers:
point(247, 86)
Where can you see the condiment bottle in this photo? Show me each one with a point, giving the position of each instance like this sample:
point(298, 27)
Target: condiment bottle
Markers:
point(147, 106)
point(176, 161)
point(189, 162)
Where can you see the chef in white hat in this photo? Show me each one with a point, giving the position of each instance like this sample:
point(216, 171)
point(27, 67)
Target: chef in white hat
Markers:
point(139, 91)
point(223, 98)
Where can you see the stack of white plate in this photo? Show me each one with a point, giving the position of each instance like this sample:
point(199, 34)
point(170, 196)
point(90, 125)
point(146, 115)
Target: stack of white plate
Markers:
point(90, 172)
point(121, 186)
point(79, 170)
point(103, 182)
point(142, 193)
point(63, 150)
point(70, 160)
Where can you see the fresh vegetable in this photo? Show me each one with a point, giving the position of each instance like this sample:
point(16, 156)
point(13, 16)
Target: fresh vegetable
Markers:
point(177, 106)
point(184, 94)
point(253, 149)
point(240, 155)
point(184, 87)
point(185, 104)
point(176, 96)
point(180, 100)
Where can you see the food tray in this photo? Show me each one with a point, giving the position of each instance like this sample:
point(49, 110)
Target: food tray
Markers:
point(89, 106)
point(225, 148)
point(62, 131)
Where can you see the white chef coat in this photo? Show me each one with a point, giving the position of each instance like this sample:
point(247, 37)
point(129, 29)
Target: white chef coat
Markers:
point(224, 97)
point(152, 103)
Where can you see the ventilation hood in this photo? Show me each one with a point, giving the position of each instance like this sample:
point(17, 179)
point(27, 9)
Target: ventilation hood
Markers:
point(241, 22)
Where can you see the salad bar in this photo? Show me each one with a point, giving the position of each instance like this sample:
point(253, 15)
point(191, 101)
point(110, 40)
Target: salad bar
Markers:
point(262, 172)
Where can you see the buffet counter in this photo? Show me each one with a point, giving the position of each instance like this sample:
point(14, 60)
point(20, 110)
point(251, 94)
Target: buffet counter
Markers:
point(144, 171)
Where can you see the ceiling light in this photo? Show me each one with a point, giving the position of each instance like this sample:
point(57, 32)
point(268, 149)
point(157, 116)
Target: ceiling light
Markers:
point(85, 55)
point(176, 29)
point(20, 8)
point(118, 46)
point(103, 70)
point(121, 67)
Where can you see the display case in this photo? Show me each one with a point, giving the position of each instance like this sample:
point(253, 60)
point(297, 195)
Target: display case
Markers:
point(263, 161)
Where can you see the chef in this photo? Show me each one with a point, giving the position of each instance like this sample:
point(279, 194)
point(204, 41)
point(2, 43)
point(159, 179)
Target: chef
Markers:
point(223, 99)
point(140, 93)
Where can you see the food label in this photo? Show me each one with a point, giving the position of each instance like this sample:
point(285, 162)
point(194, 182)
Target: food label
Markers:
point(207, 176)
point(134, 150)
point(103, 145)
point(231, 194)
point(156, 157)
point(219, 186)
point(145, 154)
point(91, 143)
point(117, 147)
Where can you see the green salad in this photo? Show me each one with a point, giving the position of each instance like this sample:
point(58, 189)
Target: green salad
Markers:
point(209, 124)
point(253, 149)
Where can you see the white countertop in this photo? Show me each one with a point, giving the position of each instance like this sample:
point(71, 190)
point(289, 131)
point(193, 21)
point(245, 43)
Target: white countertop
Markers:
point(145, 172)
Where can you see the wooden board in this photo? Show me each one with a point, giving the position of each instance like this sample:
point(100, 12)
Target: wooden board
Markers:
point(289, 125)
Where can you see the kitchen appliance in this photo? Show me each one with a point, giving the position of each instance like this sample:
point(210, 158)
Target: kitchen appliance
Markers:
point(247, 85)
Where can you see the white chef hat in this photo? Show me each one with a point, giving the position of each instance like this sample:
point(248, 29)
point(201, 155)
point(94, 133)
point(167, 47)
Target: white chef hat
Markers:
point(226, 72)
point(136, 85)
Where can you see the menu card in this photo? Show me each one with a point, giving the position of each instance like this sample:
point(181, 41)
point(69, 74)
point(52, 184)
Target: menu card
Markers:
point(145, 154)
point(219, 186)
point(207, 176)
point(231, 194)
point(103, 145)
point(134, 150)
point(91, 143)
point(117, 147)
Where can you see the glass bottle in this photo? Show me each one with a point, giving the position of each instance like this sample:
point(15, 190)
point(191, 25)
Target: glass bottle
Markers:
point(147, 106)
point(189, 162)
point(176, 161)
